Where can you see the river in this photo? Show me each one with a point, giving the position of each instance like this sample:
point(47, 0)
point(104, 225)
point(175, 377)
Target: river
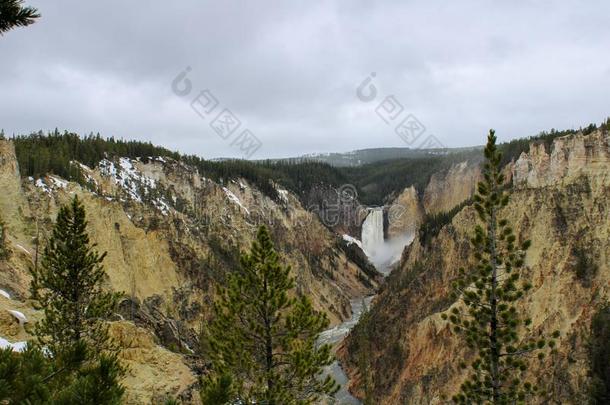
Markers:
point(333, 336)
point(383, 254)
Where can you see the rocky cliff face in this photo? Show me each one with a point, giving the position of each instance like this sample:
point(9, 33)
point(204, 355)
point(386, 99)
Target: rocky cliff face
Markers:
point(405, 213)
point(445, 190)
point(337, 208)
point(448, 189)
point(560, 202)
point(171, 236)
point(569, 159)
point(15, 215)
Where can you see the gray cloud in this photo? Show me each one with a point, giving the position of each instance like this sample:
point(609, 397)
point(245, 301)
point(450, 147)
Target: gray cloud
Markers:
point(289, 70)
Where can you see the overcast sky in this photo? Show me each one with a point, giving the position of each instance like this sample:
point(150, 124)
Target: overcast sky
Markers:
point(289, 70)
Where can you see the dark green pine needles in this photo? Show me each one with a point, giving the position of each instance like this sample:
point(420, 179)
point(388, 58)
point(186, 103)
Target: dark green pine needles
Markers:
point(67, 286)
point(489, 321)
point(73, 360)
point(261, 341)
point(13, 14)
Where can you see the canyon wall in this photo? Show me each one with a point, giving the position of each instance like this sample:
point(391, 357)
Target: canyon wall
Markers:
point(448, 189)
point(172, 236)
point(445, 190)
point(560, 201)
point(405, 213)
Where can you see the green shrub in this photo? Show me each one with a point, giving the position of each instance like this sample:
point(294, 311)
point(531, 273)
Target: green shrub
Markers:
point(433, 223)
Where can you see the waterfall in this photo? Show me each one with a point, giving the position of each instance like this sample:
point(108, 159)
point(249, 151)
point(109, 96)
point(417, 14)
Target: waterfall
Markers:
point(372, 232)
point(382, 253)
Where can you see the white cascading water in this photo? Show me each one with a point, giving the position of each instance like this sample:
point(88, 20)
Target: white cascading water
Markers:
point(382, 253)
point(372, 232)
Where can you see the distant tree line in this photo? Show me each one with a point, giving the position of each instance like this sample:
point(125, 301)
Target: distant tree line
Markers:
point(385, 179)
point(39, 154)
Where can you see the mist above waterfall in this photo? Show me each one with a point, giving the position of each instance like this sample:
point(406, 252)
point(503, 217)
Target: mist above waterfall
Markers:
point(382, 253)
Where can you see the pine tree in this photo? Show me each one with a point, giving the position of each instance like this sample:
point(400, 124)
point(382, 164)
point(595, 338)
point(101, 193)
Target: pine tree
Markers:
point(22, 376)
point(261, 342)
point(218, 390)
point(490, 321)
point(13, 15)
point(32, 377)
point(68, 288)
point(96, 382)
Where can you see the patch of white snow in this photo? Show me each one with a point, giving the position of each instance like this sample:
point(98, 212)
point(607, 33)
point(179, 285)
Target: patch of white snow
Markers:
point(283, 194)
point(19, 316)
point(350, 239)
point(233, 198)
point(16, 347)
point(22, 248)
point(58, 182)
point(136, 184)
point(40, 184)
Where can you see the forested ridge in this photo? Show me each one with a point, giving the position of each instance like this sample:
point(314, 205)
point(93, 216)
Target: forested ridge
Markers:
point(39, 154)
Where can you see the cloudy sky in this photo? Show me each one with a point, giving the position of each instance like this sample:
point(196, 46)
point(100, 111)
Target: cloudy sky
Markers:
point(289, 71)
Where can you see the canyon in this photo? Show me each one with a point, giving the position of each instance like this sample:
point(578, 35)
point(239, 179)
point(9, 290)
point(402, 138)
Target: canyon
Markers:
point(172, 235)
point(560, 198)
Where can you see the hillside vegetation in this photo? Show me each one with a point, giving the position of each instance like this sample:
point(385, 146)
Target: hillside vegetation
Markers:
point(376, 183)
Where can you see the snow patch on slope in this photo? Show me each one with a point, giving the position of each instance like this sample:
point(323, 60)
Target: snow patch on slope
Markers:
point(86, 172)
point(22, 248)
point(19, 316)
point(16, 347)
point(350, 239)
point(57, 182)
point(283, 194)
point(136, 185)
point(40, 184)
point(51, 183)
point(234, 199)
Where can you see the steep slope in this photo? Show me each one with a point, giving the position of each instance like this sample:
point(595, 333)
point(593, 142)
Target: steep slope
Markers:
point(560, 201)
point(449, 188)
point(405, 213)
point(445, 190)
point(171, 235)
